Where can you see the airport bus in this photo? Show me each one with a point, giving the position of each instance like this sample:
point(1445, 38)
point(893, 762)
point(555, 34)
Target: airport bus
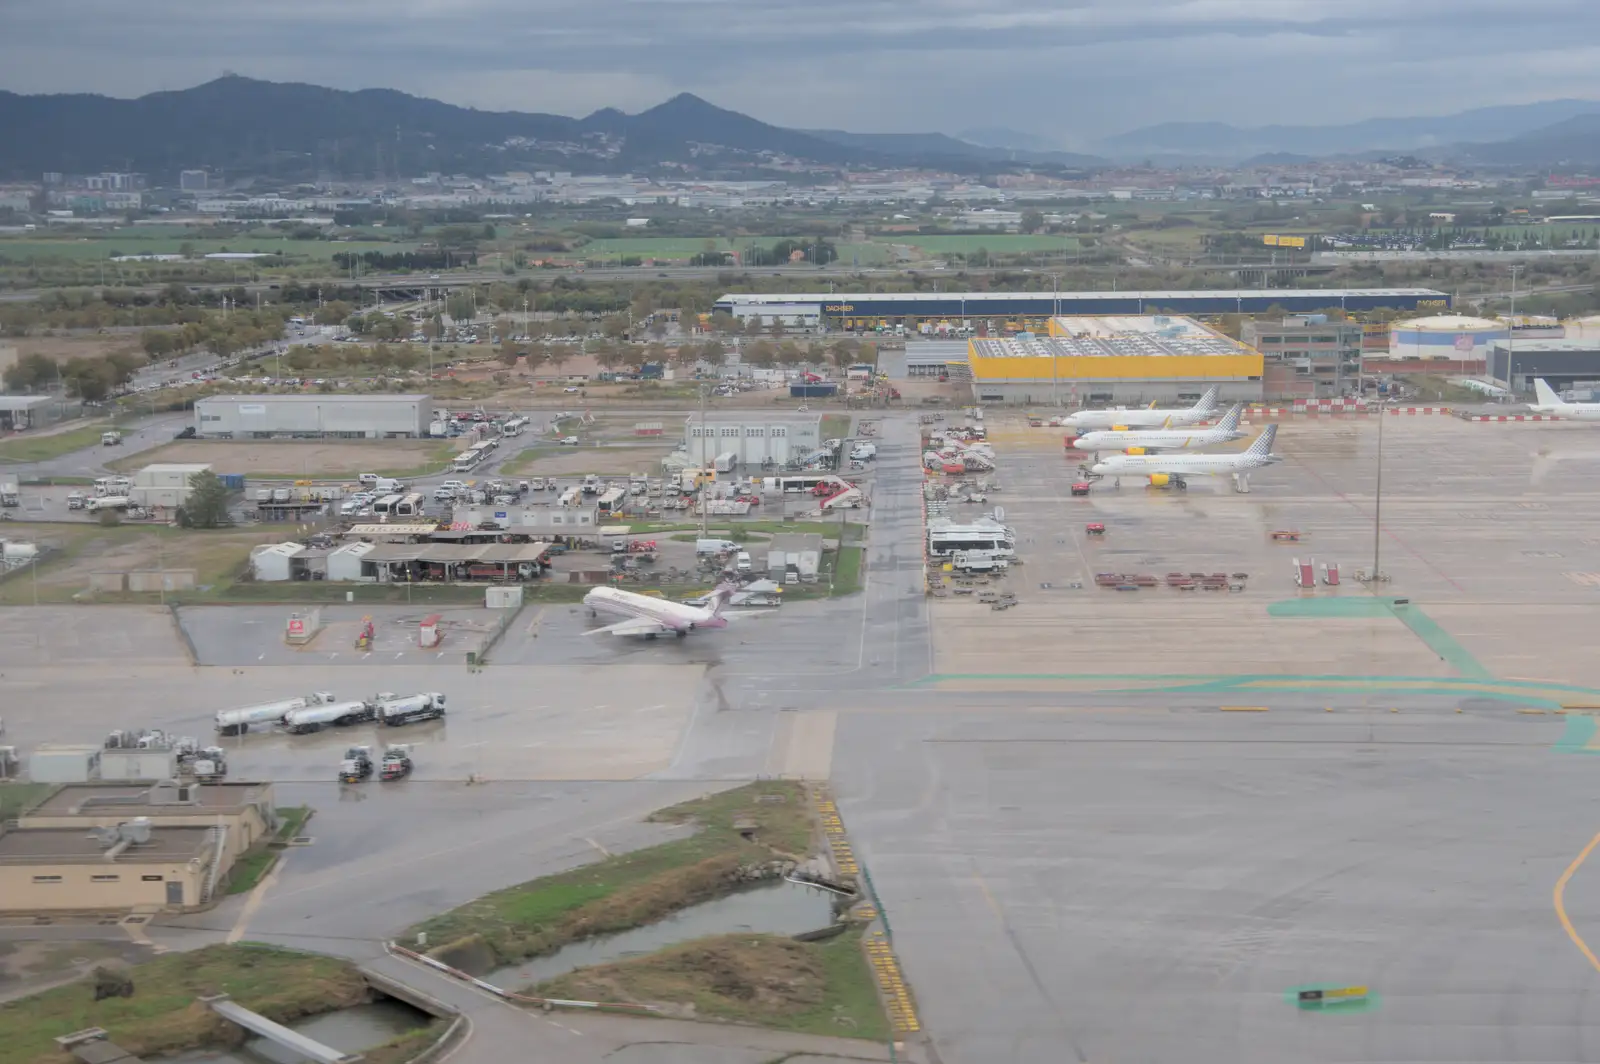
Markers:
point(410, 505)
point(515, 427)
point(798, 482)
point(472, 457)
point(946, 540)
point(387, 504)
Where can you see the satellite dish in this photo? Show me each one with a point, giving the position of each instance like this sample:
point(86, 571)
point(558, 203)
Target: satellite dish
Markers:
point(999, 513)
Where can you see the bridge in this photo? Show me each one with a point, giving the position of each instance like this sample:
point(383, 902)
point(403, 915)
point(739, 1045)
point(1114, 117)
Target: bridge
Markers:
point(276, 1032)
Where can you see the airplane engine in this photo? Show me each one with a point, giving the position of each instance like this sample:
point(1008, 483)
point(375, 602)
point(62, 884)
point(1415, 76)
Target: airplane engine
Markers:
point(1160, 480)
point(1134, 450)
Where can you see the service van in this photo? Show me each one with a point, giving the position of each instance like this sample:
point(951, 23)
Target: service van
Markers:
point(714, 546)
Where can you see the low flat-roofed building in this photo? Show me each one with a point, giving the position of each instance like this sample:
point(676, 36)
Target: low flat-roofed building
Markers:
point(20, 412)
point(69, 869)
point(243, 809)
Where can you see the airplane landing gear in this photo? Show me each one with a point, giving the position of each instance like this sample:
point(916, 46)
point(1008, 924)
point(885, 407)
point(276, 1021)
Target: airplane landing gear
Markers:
point(683, 633)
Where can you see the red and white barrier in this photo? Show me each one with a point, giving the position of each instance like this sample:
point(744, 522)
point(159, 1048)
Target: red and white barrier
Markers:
point(1419, 410)
point(1509, 417)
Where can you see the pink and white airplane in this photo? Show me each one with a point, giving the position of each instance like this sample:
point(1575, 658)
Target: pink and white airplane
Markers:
point(648, 616)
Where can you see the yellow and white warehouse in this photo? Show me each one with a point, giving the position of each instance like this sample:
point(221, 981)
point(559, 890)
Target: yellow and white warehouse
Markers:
point(1125, 359)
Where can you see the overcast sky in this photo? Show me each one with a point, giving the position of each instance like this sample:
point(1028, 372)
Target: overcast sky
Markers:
point(1070, 70)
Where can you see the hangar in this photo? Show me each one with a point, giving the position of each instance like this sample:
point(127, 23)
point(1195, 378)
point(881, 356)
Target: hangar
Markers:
point(1103, 359)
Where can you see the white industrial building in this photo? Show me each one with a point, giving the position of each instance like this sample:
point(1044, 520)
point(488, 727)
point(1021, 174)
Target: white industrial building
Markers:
point(754, 438)
point(164, 484)
point(799, 553)
point(313, 416)
point(789, 315)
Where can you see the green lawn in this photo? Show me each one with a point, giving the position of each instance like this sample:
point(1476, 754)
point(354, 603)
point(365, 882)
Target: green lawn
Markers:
point(26, 448)
point(161, 1016)
point(15, 797)
point(633, 889)
point(847, 571)
point(250, 869)
point(996, 242)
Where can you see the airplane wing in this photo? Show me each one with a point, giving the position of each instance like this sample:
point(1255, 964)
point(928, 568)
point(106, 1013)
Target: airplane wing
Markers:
point(632, 626)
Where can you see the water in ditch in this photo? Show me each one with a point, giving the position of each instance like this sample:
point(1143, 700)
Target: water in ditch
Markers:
point(780, 908)
point(351, 1030)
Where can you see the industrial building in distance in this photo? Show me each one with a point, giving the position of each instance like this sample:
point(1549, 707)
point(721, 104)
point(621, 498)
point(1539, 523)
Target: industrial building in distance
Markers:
point(999, 312)
point(1103, 359)
point(314, 416)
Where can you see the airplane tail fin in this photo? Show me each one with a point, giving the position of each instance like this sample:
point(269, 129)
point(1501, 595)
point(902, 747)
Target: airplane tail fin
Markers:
point(1230, 420)
point(720, 597)
point(1263, 443)
point(1546, 394)
point(1208, 401)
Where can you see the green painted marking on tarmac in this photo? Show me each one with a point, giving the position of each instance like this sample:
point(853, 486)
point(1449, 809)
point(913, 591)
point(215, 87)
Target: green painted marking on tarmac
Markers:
point(1578, 735)
point(1413, 617)
point(1366, 1002)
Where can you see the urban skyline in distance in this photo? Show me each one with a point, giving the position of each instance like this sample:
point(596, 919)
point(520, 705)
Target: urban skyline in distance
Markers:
point(1067, 76)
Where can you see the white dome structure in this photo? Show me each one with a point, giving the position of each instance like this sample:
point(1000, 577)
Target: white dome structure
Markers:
point(1456, 337)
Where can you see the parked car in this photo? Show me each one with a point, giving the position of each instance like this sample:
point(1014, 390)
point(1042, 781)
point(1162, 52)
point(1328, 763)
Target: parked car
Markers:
point(568, 441)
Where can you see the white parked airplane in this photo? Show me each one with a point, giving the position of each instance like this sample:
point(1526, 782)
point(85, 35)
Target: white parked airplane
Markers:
point(1164, 439)
point(649, 616)
point(1550, 403)
point(1087, 420)
point(1163, 469)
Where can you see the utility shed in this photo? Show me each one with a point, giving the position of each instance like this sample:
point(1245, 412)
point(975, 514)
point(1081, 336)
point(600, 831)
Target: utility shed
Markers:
point(63, 763)
point(344, 563)
point(271, 562)
point(800, 552)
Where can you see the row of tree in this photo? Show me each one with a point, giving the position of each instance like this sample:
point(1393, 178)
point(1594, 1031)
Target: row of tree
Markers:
point(89, 379)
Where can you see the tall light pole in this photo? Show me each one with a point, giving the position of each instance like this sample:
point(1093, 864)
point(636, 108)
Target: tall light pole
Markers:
point(701, 475)
point(1511, 333)
point(1377, 503)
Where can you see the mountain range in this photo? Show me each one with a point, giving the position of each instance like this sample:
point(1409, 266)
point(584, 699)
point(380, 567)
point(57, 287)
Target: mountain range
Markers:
point(1220, 142)
point(289, 131)
point(294, 131)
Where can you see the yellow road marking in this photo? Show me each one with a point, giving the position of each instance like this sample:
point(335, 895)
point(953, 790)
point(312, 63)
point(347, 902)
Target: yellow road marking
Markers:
point(1561, 908)
point(256, 897)
point(1244, 709)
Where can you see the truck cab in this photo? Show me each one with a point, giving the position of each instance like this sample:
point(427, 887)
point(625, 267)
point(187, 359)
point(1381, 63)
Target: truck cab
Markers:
point(356, 766)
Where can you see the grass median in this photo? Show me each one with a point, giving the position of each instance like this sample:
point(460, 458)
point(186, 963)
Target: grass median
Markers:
point(629, 890)
point(162, 1016)
point(823, 988)
point(42, 448)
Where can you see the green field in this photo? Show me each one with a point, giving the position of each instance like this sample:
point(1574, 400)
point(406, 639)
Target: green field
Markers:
point(1003, 243)
point(673, 247)
point(102, 246)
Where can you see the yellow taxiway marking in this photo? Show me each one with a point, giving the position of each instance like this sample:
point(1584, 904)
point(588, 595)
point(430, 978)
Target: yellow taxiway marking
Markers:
point(1244, 709)
point(1560, 902)
point(253, 902)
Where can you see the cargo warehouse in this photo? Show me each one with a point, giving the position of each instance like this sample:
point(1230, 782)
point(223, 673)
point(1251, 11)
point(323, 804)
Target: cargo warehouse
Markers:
point(1098, 360)
point(998, 312)
point(314, 416)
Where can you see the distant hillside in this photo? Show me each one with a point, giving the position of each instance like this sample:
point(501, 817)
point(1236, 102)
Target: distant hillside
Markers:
point(937, 147)
point(286, 131)
point(1001, 137)
point(1217, 140)
point(241, 125)
point(1575, 141)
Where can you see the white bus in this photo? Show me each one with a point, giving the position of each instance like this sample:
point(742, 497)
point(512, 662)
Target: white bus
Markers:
point(387, 504)
point(515, 427)
point(801, 482)
point(470, 458)
point(996, 540)
point(410, 505)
